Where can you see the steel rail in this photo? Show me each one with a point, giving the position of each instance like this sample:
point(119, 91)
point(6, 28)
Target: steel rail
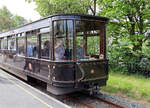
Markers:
point(95, 98)
point(80, 102)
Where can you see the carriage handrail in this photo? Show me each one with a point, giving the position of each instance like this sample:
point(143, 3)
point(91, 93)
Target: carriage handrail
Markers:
point(82, 71)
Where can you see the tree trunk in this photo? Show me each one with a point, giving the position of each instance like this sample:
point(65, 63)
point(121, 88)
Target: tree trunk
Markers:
point(94, 8)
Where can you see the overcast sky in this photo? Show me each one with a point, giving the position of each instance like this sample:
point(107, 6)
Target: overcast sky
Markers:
point(21, 8)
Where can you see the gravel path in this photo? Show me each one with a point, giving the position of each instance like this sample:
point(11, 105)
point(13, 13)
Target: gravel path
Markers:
point(121, 101)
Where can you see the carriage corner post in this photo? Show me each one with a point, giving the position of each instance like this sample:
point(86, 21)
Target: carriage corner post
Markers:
point(67, 52)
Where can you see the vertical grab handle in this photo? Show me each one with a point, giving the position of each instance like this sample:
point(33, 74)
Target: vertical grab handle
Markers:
point(82, 71)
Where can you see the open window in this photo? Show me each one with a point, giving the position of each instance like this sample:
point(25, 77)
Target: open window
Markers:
point(88, 40)
point(63, 43)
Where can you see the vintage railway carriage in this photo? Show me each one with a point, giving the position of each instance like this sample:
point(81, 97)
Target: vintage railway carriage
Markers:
point(66, 51)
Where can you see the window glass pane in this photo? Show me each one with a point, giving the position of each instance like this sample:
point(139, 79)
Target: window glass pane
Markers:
point(32, 46)
point(21, 45)
point(12, 43)
point(45, 46)
point(63, 31)
point(45, 30)
point(88, 40)
point(4, 43)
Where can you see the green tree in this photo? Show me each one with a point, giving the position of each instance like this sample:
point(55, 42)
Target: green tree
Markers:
point(18, 20)
point(130, 20)
point(48, 7)
point(5, 19)
point(8, 20)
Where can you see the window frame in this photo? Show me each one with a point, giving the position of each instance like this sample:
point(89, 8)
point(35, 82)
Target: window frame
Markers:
point(40, 45)
point(102, 43)
point(54, 39)
point(15, 44)
point(27, 35)
point(19, 35)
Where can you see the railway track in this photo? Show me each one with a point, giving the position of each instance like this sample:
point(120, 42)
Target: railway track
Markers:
point(89, 101)
point(83, 100)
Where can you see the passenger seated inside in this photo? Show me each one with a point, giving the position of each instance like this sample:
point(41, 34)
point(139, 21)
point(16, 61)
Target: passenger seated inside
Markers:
point(12, 47)
point(80, 51)
point(21, 50)
point(45, 51)
point(59, 50)
point(30, 49)
point(35, 51)
point(68, 54)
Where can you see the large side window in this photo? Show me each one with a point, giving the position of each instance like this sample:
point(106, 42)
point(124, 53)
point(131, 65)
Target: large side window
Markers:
point(45, 43)
point(88, 40)
point(63, 33)
point(12, 43)
point(21, 44)
point(32, 45)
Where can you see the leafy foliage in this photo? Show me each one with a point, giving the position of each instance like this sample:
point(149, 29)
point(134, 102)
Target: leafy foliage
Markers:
point(5, 19)
point(48, 7)
point(130, 20)
point(8, 20)
point(18, 20)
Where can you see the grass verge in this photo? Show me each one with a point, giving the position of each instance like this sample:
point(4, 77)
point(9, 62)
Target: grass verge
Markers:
point(133, 86)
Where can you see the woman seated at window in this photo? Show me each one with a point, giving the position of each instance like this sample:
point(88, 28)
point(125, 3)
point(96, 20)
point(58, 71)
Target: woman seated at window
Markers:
point(30, 49)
